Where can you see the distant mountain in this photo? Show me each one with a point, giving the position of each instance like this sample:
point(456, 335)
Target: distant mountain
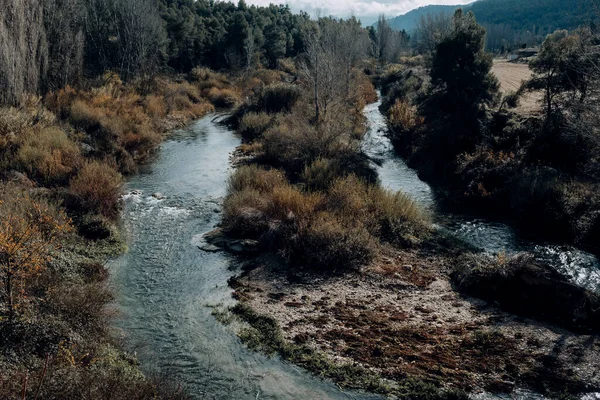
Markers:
point(539, 16)
point(409, 21)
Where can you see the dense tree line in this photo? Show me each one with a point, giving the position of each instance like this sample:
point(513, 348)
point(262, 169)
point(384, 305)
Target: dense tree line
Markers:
point(48, 45)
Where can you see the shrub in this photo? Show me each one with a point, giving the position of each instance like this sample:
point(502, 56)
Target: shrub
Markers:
point(48, 154)
point(243, 213)
point(389, 216)
point(59, 102)
point(256, 178)
point(223, 98)
point(403, 117)
point(155, 106)
point(205, 78)
point(279, 97)
point(253, 125)
point(328, 245)
point(97, 187)
point(319, 175)
point(83, 305)
point(84, 116)
point(287, 203)
point(29, 232)
point(287, 65)
point(401, 220)
point(268, 76)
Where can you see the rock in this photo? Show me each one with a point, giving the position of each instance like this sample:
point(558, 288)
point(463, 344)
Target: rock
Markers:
point(86, 148)
point(525, 287)
point(245, 246)
point(217, 239)
point(209, 248)
point(159, 196)
point(19, 177)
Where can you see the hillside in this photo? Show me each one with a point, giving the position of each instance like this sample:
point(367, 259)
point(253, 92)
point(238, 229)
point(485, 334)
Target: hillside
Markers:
point(542, 15)
point(410, 20)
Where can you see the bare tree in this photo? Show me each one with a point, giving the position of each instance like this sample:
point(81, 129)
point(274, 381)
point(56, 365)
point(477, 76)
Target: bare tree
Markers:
point(65, 27)
point(125, 35)
point(23, 49)
point(331, 54)
point(431, 30)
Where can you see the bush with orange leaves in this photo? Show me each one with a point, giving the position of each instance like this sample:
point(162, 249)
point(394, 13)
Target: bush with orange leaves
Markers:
point(96, 188)
point(403, 117)
point(29, 232)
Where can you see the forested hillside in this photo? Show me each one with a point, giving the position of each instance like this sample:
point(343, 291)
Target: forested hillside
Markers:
point(512, 22)
point(410, 20)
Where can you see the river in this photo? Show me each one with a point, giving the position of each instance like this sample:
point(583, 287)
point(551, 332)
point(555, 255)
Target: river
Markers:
point(494, 237)
point(167, 287)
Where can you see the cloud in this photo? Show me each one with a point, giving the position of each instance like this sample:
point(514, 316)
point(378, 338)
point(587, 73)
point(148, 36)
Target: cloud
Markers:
point(360, 8)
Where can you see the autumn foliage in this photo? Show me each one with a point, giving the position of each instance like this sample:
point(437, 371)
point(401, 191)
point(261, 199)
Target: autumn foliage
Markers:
point(29, 230)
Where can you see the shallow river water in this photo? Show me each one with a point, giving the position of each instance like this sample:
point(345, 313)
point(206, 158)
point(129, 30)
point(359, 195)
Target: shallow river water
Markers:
point(167, 286)
point(492, 236)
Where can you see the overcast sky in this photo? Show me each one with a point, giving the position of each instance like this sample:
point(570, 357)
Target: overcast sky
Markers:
point(359, 8)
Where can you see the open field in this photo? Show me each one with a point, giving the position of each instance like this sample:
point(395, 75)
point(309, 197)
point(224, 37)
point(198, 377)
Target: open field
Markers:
point(511, 75)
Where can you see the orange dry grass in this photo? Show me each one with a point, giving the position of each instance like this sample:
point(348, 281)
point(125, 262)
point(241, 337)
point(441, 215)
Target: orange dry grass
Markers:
point(28, 233)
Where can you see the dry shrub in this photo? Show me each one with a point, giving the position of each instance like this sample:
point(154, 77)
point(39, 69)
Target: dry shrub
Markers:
point(295, 144)
point(255, 178)
point(83, 305)
point(84, 116)
point(48, 154)
point(289, 203)
point(280, 97)
point(414, 61)
point(319, 175)
point(268, 76)
point(30, 230)
point(287, 65)
point(223, 98)
point(243, 213)
point(97, 188)
point(205, 78)
point(253, 125)
point(180, 96)
point(348, 198)
point(155, 106)
point(401, 221)
point(251, 149)
point(59, 102)
point(363, 90)
point(403, 117)
point(328, 245)
point(391, 216)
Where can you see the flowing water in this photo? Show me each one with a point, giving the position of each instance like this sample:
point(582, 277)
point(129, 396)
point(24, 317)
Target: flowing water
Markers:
point(493, 237)
point(166, 285)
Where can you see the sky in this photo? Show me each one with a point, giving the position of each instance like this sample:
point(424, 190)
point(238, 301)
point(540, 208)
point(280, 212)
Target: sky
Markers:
point(366, 9)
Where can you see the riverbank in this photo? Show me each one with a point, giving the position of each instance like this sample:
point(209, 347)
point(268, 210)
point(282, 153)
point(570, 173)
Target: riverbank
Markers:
point(520, 165)
point(399, 325)
point(402, 322)
point(63, 160)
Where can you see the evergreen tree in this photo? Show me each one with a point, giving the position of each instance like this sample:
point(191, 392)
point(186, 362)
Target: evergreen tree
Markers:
point(462, 85)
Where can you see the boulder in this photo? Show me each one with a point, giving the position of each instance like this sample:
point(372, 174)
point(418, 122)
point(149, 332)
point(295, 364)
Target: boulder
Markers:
point(523, 286)
point(216, 240)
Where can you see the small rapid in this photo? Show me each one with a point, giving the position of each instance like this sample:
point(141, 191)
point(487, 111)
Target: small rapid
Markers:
point(168, 287)
point(493, 237)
